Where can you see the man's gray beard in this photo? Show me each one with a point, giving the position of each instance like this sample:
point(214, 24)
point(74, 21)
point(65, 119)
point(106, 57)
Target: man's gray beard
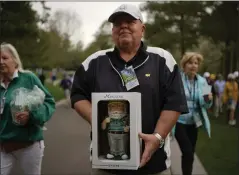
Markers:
point(125, 46)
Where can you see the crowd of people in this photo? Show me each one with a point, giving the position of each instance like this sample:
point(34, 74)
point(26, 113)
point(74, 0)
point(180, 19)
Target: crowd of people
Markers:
point(225, 93)
point(172, 98)
point(65, 82)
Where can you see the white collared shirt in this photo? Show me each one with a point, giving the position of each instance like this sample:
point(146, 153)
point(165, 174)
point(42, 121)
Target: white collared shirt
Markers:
point(15, 75)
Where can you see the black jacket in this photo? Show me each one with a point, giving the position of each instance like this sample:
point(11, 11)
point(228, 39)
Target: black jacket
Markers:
point(159, 83)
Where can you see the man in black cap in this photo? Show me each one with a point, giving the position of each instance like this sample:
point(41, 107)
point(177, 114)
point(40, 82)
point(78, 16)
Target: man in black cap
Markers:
point(157, 79)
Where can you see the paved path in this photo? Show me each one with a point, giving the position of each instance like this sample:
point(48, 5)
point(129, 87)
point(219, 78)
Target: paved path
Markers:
point(67, 146)
point(67, 141)
point(176, 161)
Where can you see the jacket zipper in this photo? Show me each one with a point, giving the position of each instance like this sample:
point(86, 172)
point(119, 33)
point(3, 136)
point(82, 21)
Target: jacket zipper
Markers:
point(142, 63)
point(122, 81)
point(2, 97)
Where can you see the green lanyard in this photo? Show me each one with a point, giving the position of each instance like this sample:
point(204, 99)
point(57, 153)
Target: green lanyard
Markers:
point(2, 102)
point(3, 99)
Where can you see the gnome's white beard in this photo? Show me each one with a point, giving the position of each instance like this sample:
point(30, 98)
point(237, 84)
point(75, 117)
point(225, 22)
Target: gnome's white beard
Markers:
point(117, 114)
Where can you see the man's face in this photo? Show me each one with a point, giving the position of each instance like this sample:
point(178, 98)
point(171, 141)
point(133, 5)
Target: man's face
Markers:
point(127, 31)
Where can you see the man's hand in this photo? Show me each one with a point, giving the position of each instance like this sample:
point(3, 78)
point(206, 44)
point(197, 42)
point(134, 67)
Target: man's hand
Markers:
point(151, 145)
point(210, 96)
point(22, 117)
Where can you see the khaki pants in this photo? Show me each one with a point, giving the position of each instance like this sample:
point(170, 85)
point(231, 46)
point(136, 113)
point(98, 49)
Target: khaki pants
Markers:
point(30, 159)
point(217, 105)
point(100, 172)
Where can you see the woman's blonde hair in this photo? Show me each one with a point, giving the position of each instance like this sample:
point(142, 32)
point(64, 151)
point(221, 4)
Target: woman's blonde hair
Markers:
point(189, 55)
point(12, 50)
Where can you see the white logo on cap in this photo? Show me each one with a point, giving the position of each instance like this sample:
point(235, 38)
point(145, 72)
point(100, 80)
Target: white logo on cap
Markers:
point(122, 7)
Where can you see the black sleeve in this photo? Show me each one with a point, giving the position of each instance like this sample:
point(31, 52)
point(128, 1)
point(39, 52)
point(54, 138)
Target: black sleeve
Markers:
point(174, 95)
point(82, 85)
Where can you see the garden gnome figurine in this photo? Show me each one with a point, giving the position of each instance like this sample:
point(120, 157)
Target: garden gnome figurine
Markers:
point(117, 125)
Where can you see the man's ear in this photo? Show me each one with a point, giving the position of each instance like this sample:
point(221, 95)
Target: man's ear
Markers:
point(143, 28)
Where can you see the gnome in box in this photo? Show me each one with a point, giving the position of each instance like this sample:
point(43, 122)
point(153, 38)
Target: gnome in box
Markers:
point(117, 125)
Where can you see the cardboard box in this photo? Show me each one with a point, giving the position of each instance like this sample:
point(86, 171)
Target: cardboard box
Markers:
point(109, 138)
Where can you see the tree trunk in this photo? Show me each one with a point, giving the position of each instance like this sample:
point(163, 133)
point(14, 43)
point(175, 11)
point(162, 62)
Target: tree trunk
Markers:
point(234, 57)
point(182, 35)
point(237, 41)
point(222, 65)
point(227, 59)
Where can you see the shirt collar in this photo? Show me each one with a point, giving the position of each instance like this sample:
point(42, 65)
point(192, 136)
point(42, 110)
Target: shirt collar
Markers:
point(186, 76)
point(138, 59)
point(15, 75)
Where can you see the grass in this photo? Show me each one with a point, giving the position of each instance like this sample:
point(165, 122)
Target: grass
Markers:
point(56, 91)
point(219, 155)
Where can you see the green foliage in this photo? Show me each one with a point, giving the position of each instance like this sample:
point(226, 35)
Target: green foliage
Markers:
point(173, 23)
point(179, 26)
point(38, 43)
point(55, 91)
point(18, 20)
point(212, 53)
point(222, 25)
point(19, 27)
point(224, 19)
point(211, 28)
point(59, 51)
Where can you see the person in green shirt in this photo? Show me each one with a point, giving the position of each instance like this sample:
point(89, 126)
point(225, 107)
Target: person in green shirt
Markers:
point(21, 134)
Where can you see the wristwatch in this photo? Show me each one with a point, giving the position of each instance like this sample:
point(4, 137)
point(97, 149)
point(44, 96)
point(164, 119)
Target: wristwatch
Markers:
point(161, 140)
